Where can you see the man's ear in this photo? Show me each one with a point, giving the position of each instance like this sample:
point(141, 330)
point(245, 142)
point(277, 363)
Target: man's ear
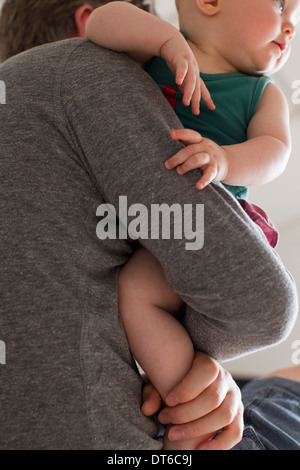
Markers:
point(81, 16)
point(209, 7)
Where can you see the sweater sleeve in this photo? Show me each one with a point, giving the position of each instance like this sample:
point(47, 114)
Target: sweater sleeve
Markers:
point(120, 122)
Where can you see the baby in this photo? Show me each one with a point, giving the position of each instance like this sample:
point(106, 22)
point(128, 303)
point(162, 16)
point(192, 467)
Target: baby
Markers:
point(241, 137)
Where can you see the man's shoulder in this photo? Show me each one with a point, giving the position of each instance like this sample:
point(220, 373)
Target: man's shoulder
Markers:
point(72, 61)
point(43, 54)
point(39, 62)
point(52, 55)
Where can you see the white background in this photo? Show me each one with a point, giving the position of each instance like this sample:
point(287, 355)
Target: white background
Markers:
point(281, 199)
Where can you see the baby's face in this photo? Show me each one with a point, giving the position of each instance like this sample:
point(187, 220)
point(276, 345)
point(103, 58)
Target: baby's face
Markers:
point(260, 35)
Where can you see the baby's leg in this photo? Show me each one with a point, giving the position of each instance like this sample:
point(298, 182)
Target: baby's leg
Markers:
point(157, 340)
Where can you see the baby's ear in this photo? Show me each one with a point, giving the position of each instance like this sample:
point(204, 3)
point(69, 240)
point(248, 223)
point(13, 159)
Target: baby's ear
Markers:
point(209, 7)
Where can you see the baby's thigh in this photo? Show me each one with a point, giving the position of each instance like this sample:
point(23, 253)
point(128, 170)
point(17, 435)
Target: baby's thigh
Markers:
point(142, 280)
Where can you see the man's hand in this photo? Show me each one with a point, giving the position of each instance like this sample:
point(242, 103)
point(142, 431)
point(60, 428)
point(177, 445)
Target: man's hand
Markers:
point(206, 401)
point(199, 152)
point(183, 64)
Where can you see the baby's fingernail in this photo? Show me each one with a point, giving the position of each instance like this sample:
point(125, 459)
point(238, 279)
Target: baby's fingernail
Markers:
point(167, 165)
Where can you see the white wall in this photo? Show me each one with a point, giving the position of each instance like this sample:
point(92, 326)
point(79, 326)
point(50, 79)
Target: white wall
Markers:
point(281, 199)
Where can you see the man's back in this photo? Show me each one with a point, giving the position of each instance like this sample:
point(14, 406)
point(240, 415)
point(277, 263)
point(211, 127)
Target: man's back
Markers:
point(59, 317)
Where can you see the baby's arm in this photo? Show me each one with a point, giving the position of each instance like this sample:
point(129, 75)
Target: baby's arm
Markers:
point(259, 160)
point(264, 156)
point(123, 27)
point(156, 338)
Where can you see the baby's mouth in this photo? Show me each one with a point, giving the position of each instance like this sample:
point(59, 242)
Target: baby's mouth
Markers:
point(281, 45)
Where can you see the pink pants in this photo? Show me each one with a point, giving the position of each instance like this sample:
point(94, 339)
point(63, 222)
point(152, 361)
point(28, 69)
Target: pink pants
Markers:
point(262, 220)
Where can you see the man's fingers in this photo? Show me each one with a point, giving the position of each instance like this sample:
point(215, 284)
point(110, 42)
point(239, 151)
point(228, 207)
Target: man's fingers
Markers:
point(210, 399)
point(193, 383)
point(229, 437)
point(220, 418)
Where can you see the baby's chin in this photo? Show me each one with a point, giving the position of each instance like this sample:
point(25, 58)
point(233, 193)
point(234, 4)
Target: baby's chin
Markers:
point(259, 71)
point(271, 65)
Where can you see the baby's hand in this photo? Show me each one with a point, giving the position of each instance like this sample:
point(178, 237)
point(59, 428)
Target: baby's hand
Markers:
point(182, 63)
point(199, 153)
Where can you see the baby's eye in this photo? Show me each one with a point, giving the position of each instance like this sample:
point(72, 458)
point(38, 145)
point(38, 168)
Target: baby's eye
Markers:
point(280, 4)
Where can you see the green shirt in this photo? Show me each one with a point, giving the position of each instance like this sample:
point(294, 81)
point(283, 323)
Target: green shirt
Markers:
point(235, 95)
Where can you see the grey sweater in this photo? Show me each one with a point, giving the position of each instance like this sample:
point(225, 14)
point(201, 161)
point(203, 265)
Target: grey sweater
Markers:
point(82, 126)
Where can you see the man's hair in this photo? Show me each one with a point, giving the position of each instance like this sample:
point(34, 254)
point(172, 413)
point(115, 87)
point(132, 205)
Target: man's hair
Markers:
point(28, 23)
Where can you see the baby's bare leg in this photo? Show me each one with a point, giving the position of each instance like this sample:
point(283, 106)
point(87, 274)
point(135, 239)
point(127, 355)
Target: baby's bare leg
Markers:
point(157, 340)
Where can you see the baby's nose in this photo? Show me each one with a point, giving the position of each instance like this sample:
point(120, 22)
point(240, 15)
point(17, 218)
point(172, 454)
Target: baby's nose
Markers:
point(289, 30)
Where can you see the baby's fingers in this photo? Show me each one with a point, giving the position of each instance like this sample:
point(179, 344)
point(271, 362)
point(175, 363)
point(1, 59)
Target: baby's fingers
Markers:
point(198, 160)
point(182, 156)
point(181, 71)
point(206, 97)
point(209, 174)
point(189, 159)
point(187, 77)
point(195, 102)
point(186, 136)
point(189, 87)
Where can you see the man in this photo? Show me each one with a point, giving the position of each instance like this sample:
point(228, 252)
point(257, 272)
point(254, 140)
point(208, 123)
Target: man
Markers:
point(30, 23)
point(72, 138)
point(24, 26)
